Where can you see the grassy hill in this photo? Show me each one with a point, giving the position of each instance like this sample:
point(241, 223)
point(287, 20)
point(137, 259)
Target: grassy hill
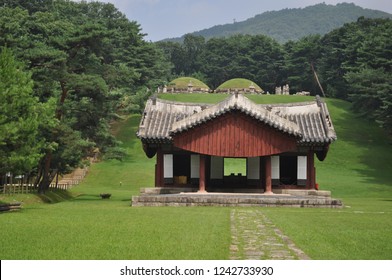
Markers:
point(356, 170)
point(293, 24)
point(238, 83)
point(183, 82)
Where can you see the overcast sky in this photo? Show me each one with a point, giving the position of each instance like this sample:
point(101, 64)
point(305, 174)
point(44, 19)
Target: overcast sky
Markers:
point(162, 19)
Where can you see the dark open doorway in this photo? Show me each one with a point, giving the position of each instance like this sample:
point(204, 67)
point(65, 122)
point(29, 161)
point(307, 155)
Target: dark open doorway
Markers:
point(181, 169)
point(288, 170)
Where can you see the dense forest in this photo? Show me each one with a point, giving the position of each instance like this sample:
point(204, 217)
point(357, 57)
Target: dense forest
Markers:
point(292, 24)
point(68, 69)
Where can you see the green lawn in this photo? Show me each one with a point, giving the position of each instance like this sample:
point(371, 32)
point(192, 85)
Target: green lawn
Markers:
point(90, 228)
point(362, 231)
point(234, 165)
point(357, 170)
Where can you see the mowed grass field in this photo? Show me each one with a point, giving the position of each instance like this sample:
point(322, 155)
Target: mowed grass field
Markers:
point(80, 225)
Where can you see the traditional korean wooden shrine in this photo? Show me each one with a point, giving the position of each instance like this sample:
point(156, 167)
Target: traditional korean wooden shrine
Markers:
point(279, 143)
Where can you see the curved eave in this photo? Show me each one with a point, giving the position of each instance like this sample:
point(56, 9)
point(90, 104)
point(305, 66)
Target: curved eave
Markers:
point(156, 140)
point(320, 141)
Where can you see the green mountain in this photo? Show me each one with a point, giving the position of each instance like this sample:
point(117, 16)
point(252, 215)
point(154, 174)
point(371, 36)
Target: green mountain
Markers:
point(293, 24)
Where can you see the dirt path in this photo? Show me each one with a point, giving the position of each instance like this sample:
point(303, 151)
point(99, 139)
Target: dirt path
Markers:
point(255, 237)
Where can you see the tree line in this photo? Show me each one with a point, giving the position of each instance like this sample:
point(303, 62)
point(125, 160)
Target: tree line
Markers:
point(67, 69)
point(351, 63)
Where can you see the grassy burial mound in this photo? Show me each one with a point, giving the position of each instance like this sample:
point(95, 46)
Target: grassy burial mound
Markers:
point(186, 84)
point(356, 170)
point(239, 84)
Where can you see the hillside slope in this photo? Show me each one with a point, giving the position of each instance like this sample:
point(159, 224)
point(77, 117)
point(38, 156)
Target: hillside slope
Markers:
point(293, 24)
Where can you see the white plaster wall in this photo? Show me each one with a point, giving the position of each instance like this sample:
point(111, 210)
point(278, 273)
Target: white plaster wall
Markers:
point(302, 167)
point(253, 168)
point(168, 166)
point(195, 166)
point(217, 167)
point(275, 167)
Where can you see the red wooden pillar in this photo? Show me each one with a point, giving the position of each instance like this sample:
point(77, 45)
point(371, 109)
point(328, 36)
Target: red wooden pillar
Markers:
point(311, 171)
point(159, 182)
point(268, 180)
point(202, 174)
point(261, 172)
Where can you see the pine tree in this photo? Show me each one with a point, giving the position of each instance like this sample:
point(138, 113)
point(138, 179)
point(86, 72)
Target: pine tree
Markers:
point(20, 117)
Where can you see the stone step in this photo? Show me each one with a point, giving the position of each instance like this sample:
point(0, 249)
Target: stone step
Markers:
point(303, 192)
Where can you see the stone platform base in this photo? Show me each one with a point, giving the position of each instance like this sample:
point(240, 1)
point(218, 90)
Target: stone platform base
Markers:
point(232, 199)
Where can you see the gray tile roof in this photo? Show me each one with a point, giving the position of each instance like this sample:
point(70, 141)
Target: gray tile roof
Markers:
point(243, 104)
point(313, 119)
point(310, 122)
point(159, 116)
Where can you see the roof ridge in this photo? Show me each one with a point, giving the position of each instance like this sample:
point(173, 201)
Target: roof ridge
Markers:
point(292, 104)
point(171, 102)
point(243, 104)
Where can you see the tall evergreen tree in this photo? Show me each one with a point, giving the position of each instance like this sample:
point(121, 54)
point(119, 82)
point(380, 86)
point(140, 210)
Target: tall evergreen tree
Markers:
point(302, 59)
point(21, 116)
point(88, 57)
point(357, 64)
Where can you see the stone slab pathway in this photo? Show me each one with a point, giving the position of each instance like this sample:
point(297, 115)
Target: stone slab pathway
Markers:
point(255, 237)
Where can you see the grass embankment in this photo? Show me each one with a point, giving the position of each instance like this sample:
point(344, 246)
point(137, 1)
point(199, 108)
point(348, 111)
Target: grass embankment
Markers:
point(357, 170)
